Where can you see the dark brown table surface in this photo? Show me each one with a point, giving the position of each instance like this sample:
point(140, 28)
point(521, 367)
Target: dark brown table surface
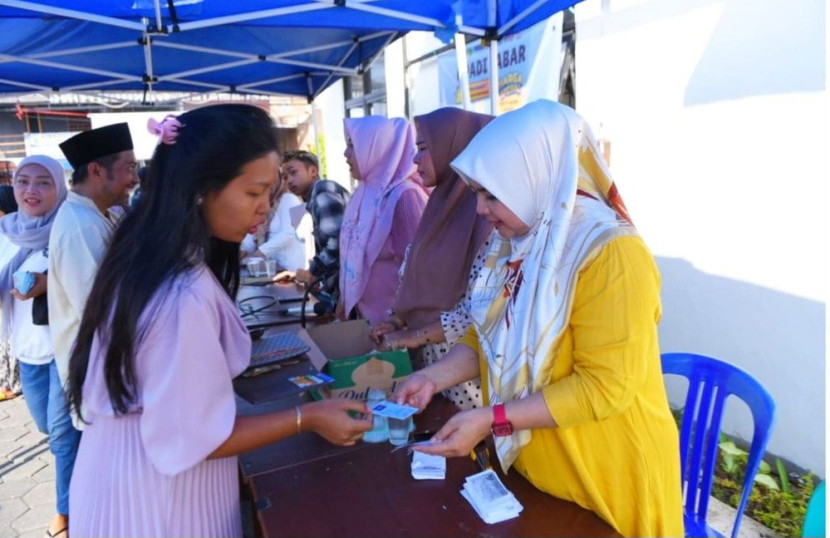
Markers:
point(262, 306)
point(304, 486)
point(274, 384)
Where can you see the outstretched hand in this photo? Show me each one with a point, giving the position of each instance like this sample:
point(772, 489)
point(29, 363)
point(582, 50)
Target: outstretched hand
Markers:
point(331, 420)
point(303, 276)
point(461, 433)
point(378, 330)
point(416, 390)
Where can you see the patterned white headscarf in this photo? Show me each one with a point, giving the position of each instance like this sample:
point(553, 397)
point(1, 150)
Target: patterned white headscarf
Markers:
point(543, 163)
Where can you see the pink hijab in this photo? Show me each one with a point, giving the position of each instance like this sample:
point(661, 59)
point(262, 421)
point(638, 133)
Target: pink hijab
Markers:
point(450, 232)
point(384, 149)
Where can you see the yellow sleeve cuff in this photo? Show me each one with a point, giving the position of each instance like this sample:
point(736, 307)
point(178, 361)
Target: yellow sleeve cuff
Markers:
point(470, 339)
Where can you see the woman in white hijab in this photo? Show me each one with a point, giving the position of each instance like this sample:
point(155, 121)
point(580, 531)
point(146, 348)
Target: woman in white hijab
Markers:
point(564, 330)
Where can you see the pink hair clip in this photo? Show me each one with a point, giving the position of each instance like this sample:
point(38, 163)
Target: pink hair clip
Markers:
point(167, 130)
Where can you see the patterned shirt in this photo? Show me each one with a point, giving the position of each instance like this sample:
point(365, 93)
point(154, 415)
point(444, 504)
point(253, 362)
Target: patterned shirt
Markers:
point(326, 204)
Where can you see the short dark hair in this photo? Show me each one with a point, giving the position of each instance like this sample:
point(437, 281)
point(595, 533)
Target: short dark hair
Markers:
point(80, 174)
point(306, 157)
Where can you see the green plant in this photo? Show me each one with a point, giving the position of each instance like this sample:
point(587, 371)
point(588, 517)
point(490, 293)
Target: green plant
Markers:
point(733, 460)
point(783, 476)
point(779, 510)
point(778, 504)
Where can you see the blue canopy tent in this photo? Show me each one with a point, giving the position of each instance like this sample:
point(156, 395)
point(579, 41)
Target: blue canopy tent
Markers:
point(288, 47)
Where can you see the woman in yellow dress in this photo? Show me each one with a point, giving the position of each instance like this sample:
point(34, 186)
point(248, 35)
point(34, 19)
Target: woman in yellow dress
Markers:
point(564, 332)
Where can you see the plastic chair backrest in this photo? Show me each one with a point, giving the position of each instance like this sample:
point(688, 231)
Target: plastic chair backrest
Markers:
point(711, 381)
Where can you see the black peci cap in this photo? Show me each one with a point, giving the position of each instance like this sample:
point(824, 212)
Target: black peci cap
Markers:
point(85, 147)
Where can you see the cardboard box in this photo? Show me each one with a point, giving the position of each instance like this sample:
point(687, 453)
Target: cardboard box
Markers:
point(344, 351)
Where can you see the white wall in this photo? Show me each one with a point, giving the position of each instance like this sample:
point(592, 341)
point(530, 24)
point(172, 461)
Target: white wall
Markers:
point(395, 81)
point(331, 109)
point(422, 78)
point(716, 114)
point(144, 143)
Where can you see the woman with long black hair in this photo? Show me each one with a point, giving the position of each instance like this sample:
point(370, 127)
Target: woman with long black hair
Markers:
point(161, 340)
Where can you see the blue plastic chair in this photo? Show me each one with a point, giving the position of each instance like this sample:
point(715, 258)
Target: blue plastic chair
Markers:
point(711, 381)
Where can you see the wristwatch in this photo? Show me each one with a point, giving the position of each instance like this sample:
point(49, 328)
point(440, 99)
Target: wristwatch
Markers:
point(501, 426)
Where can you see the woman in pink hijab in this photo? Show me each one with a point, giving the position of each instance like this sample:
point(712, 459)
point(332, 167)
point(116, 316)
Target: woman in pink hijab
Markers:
point(382, 215)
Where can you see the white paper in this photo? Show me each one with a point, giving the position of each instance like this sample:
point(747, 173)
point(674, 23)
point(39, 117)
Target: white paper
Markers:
point(428, 466)
point(491, 500)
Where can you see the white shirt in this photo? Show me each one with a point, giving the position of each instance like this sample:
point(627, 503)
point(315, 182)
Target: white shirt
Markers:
point(282, 243)
point(77, 243)
point(30, 343)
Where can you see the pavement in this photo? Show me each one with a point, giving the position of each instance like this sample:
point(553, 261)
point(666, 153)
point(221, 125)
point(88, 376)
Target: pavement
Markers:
point(27, 483)
point(27, 474)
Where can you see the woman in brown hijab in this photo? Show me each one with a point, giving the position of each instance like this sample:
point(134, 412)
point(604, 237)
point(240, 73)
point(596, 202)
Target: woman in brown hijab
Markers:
point(429, 313)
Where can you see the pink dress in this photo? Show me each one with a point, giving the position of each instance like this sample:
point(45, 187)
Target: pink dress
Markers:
point(377, 298)
point(146, 473)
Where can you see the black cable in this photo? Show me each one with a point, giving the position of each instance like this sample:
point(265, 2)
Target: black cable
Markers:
point(248, 311)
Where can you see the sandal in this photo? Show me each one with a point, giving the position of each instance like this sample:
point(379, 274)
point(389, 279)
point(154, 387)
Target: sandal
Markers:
point(8, 394)
point(58, 533)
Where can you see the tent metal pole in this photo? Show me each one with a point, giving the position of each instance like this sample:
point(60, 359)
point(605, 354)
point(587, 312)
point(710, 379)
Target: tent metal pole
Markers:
point(492, 18)
point(211, 69)
point(28, 60)
point(250, 86)
point(281, 58)
point(355, 45)
point(252, 16)
point(93, 85)
point(463, 74)
point(72, 14)
point(334, 69)
point(313, 113)
point(83, 50)
point(213, 86)
point(158, 16)
point(148, 60)
point(494, 77)
point(360, 6)
point(520, 17)
point(25, 85)
point(314, 130)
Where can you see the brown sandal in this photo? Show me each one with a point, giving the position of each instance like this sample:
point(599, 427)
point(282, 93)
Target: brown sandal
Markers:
point(58, 533)
point(8, 394)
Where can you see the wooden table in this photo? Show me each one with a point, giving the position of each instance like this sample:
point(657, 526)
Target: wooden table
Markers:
point(264, 306)
point(304, 486)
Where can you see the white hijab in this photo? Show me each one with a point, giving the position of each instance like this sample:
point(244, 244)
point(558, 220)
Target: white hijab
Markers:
point(533, 160)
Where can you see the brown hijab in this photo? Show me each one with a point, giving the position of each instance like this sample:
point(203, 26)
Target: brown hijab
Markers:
point(450, 232)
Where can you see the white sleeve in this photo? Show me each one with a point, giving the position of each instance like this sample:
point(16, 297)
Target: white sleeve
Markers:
point(248, 245)
point(283, 243)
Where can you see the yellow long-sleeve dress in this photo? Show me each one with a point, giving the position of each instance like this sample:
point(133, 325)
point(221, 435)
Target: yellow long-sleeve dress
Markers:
point(615, 450)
